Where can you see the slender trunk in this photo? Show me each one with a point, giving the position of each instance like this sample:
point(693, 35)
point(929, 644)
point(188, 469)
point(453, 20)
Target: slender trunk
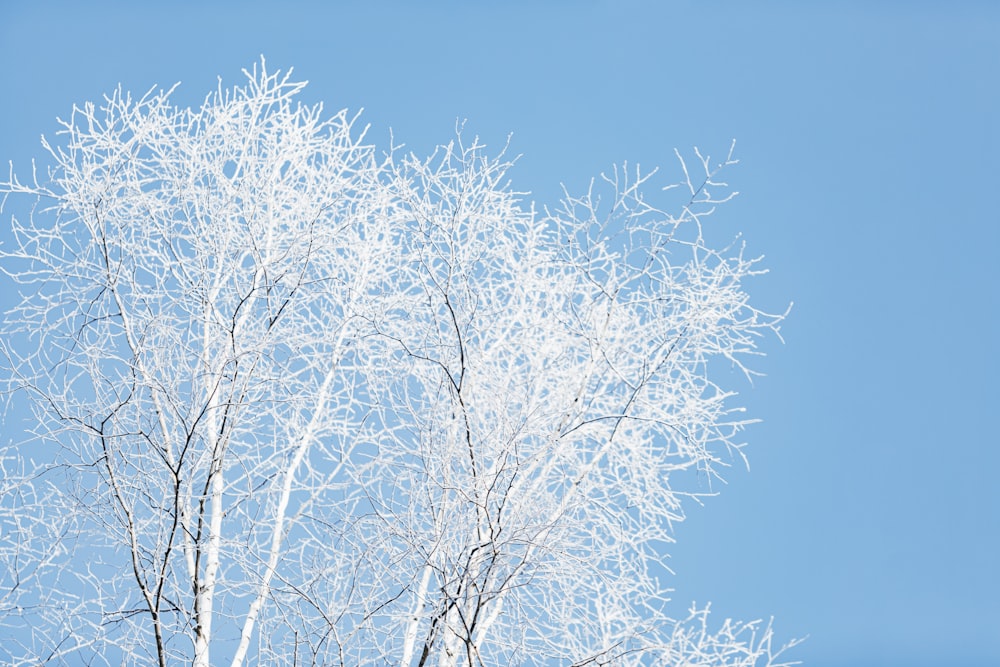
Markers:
point(205, 585)
point(278, 530)
point(414, 624)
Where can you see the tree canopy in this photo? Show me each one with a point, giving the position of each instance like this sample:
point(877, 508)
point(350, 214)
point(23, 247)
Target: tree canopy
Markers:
point(298, 401)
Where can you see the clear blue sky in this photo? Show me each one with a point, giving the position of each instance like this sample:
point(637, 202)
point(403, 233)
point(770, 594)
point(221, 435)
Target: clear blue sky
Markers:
point(869, 134)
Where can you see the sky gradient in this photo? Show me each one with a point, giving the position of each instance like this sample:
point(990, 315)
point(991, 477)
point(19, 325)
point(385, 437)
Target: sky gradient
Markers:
point(868, 134)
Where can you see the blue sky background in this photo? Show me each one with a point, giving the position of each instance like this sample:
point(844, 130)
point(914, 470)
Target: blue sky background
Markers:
point(868, 134)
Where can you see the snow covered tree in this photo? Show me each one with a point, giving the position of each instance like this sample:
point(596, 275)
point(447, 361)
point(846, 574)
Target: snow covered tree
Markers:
point(295, 401)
